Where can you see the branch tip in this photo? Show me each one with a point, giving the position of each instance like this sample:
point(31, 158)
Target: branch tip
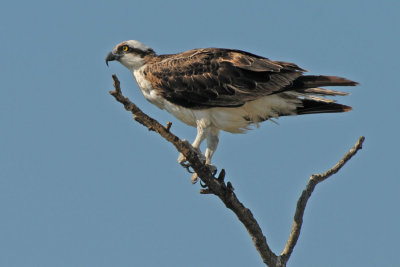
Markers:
point(221, 175)
point(168, 126)
point(306, 194)
point(117, 88)
point(230, 187)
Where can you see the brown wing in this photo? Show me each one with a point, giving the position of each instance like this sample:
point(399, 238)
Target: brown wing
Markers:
point(214, 77)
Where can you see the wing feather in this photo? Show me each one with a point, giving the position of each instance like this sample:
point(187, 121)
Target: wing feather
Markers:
point(214, 77)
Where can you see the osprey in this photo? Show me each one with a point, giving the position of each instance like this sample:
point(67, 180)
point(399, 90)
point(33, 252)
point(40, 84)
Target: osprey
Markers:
point(217, 89)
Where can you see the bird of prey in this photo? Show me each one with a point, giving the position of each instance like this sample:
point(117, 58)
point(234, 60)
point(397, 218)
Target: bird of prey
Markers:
point(217, 89)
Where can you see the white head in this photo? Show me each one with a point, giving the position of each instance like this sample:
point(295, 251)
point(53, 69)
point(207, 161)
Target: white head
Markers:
point(130, 53)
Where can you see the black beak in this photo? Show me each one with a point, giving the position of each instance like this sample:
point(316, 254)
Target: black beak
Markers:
point(111, 57)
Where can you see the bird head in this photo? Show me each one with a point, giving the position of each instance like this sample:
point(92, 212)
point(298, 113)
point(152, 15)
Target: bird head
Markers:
point(130, 53)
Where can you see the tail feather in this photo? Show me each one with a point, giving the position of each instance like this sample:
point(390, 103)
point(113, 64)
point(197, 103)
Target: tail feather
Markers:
point(311, 107)
point(312, 81)
point(308, 86)
point(322, 91)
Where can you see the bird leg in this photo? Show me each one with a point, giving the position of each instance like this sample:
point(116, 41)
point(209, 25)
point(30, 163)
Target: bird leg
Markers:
point(202, 133)
point(183, 161)
point(212, 143)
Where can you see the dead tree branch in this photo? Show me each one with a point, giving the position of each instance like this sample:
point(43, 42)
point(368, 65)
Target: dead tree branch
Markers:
point(224, 191)
point(306, 194)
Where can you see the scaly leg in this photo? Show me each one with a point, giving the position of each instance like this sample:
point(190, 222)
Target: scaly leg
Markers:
point(202, 132)
point(212, 143)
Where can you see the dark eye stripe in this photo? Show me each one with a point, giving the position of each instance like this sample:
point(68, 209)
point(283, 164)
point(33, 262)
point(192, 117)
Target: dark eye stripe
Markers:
point(135, 50)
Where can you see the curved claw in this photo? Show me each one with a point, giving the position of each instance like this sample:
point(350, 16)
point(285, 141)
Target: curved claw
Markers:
point(187, 167)
point(203, 185)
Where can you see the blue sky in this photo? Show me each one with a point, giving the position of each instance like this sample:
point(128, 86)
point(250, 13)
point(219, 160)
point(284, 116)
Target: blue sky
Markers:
point(82, 184)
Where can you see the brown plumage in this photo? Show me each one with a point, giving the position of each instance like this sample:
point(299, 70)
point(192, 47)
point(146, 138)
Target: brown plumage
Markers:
point(213, 77)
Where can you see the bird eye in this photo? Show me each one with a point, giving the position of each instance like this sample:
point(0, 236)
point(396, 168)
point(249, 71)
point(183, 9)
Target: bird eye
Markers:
point(125, 48)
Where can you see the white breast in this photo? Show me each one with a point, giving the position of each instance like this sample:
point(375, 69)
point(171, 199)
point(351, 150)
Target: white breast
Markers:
point(147, 90)
point(185, 115)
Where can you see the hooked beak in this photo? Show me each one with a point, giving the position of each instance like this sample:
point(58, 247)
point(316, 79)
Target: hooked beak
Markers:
point(111, 57)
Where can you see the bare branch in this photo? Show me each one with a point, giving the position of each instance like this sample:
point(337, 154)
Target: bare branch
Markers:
point(306, 194)
point(215, 186)
point(224, 191)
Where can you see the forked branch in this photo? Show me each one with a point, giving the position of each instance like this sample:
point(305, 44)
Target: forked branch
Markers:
point(306, 194)
point(224, 191)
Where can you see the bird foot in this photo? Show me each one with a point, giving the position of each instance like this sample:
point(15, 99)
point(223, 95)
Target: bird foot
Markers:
point(195, 176)
point(183, 161)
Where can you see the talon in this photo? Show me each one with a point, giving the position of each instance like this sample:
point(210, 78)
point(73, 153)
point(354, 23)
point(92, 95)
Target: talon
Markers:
point(184, 164)
point(187, 166)
point(203, 185)
point(188, 169)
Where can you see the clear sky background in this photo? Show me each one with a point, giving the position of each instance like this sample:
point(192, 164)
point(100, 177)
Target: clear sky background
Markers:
point(82, 184)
